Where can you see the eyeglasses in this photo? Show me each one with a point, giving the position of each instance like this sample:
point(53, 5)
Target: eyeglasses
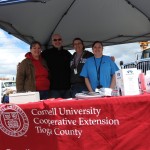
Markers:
point(57, 40)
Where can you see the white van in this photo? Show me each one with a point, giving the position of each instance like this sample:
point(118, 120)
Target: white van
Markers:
point(6, 85)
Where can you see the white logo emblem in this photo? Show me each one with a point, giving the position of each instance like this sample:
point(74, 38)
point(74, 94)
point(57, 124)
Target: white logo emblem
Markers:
point(13, 120)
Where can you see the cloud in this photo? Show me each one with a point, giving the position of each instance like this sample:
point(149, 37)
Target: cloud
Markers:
point(124, 52)
point(12, 51)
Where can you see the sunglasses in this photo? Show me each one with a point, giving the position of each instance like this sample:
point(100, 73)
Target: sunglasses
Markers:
point(57, 40)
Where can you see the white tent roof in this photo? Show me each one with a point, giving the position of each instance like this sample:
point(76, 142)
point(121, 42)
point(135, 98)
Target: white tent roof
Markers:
point(110, 21)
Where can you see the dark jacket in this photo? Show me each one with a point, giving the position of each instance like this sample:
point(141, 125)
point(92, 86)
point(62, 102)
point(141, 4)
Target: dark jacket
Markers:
point(76, 78)
point(58, 62)
point(25, 79)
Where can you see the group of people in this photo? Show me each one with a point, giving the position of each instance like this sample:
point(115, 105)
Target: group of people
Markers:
point(56, 73)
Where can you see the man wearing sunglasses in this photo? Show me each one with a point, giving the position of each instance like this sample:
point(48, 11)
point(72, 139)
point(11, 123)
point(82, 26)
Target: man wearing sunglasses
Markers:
point(58, 61)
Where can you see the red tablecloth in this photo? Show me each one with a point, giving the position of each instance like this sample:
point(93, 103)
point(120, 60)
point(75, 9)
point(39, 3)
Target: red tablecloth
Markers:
point(110, 123)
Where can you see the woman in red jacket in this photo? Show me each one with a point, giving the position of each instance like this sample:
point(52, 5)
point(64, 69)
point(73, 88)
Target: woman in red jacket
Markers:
point(32, 73)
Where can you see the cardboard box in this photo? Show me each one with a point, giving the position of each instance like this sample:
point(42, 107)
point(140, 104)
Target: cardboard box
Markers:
point(22, 98)
point(127, 81)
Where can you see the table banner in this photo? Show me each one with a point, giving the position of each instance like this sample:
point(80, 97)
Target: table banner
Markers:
point(109, 123)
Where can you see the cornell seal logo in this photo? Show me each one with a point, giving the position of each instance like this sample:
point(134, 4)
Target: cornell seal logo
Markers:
point(13, 120)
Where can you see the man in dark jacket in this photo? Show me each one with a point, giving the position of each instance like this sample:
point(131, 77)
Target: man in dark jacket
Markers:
point(58, 61)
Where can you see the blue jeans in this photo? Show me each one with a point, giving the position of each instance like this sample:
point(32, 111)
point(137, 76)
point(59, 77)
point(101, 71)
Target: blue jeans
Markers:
point(77, 88)
point(5, 99)
point(44, 94)
point(60, 94)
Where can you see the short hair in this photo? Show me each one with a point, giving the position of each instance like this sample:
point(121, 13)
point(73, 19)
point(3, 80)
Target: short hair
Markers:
point(79, 40)
point(96, 43)
point(34, 43)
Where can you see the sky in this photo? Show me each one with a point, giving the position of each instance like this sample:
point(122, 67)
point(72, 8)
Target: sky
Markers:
point(12, 51)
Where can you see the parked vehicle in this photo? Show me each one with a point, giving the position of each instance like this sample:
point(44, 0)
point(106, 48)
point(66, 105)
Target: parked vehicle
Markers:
point(6, 85)
point(142, 62)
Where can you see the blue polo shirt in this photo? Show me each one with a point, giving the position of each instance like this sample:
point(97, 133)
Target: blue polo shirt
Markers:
point(106, 71)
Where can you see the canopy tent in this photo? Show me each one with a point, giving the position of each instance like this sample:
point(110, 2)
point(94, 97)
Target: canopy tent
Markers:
point(110, 21)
